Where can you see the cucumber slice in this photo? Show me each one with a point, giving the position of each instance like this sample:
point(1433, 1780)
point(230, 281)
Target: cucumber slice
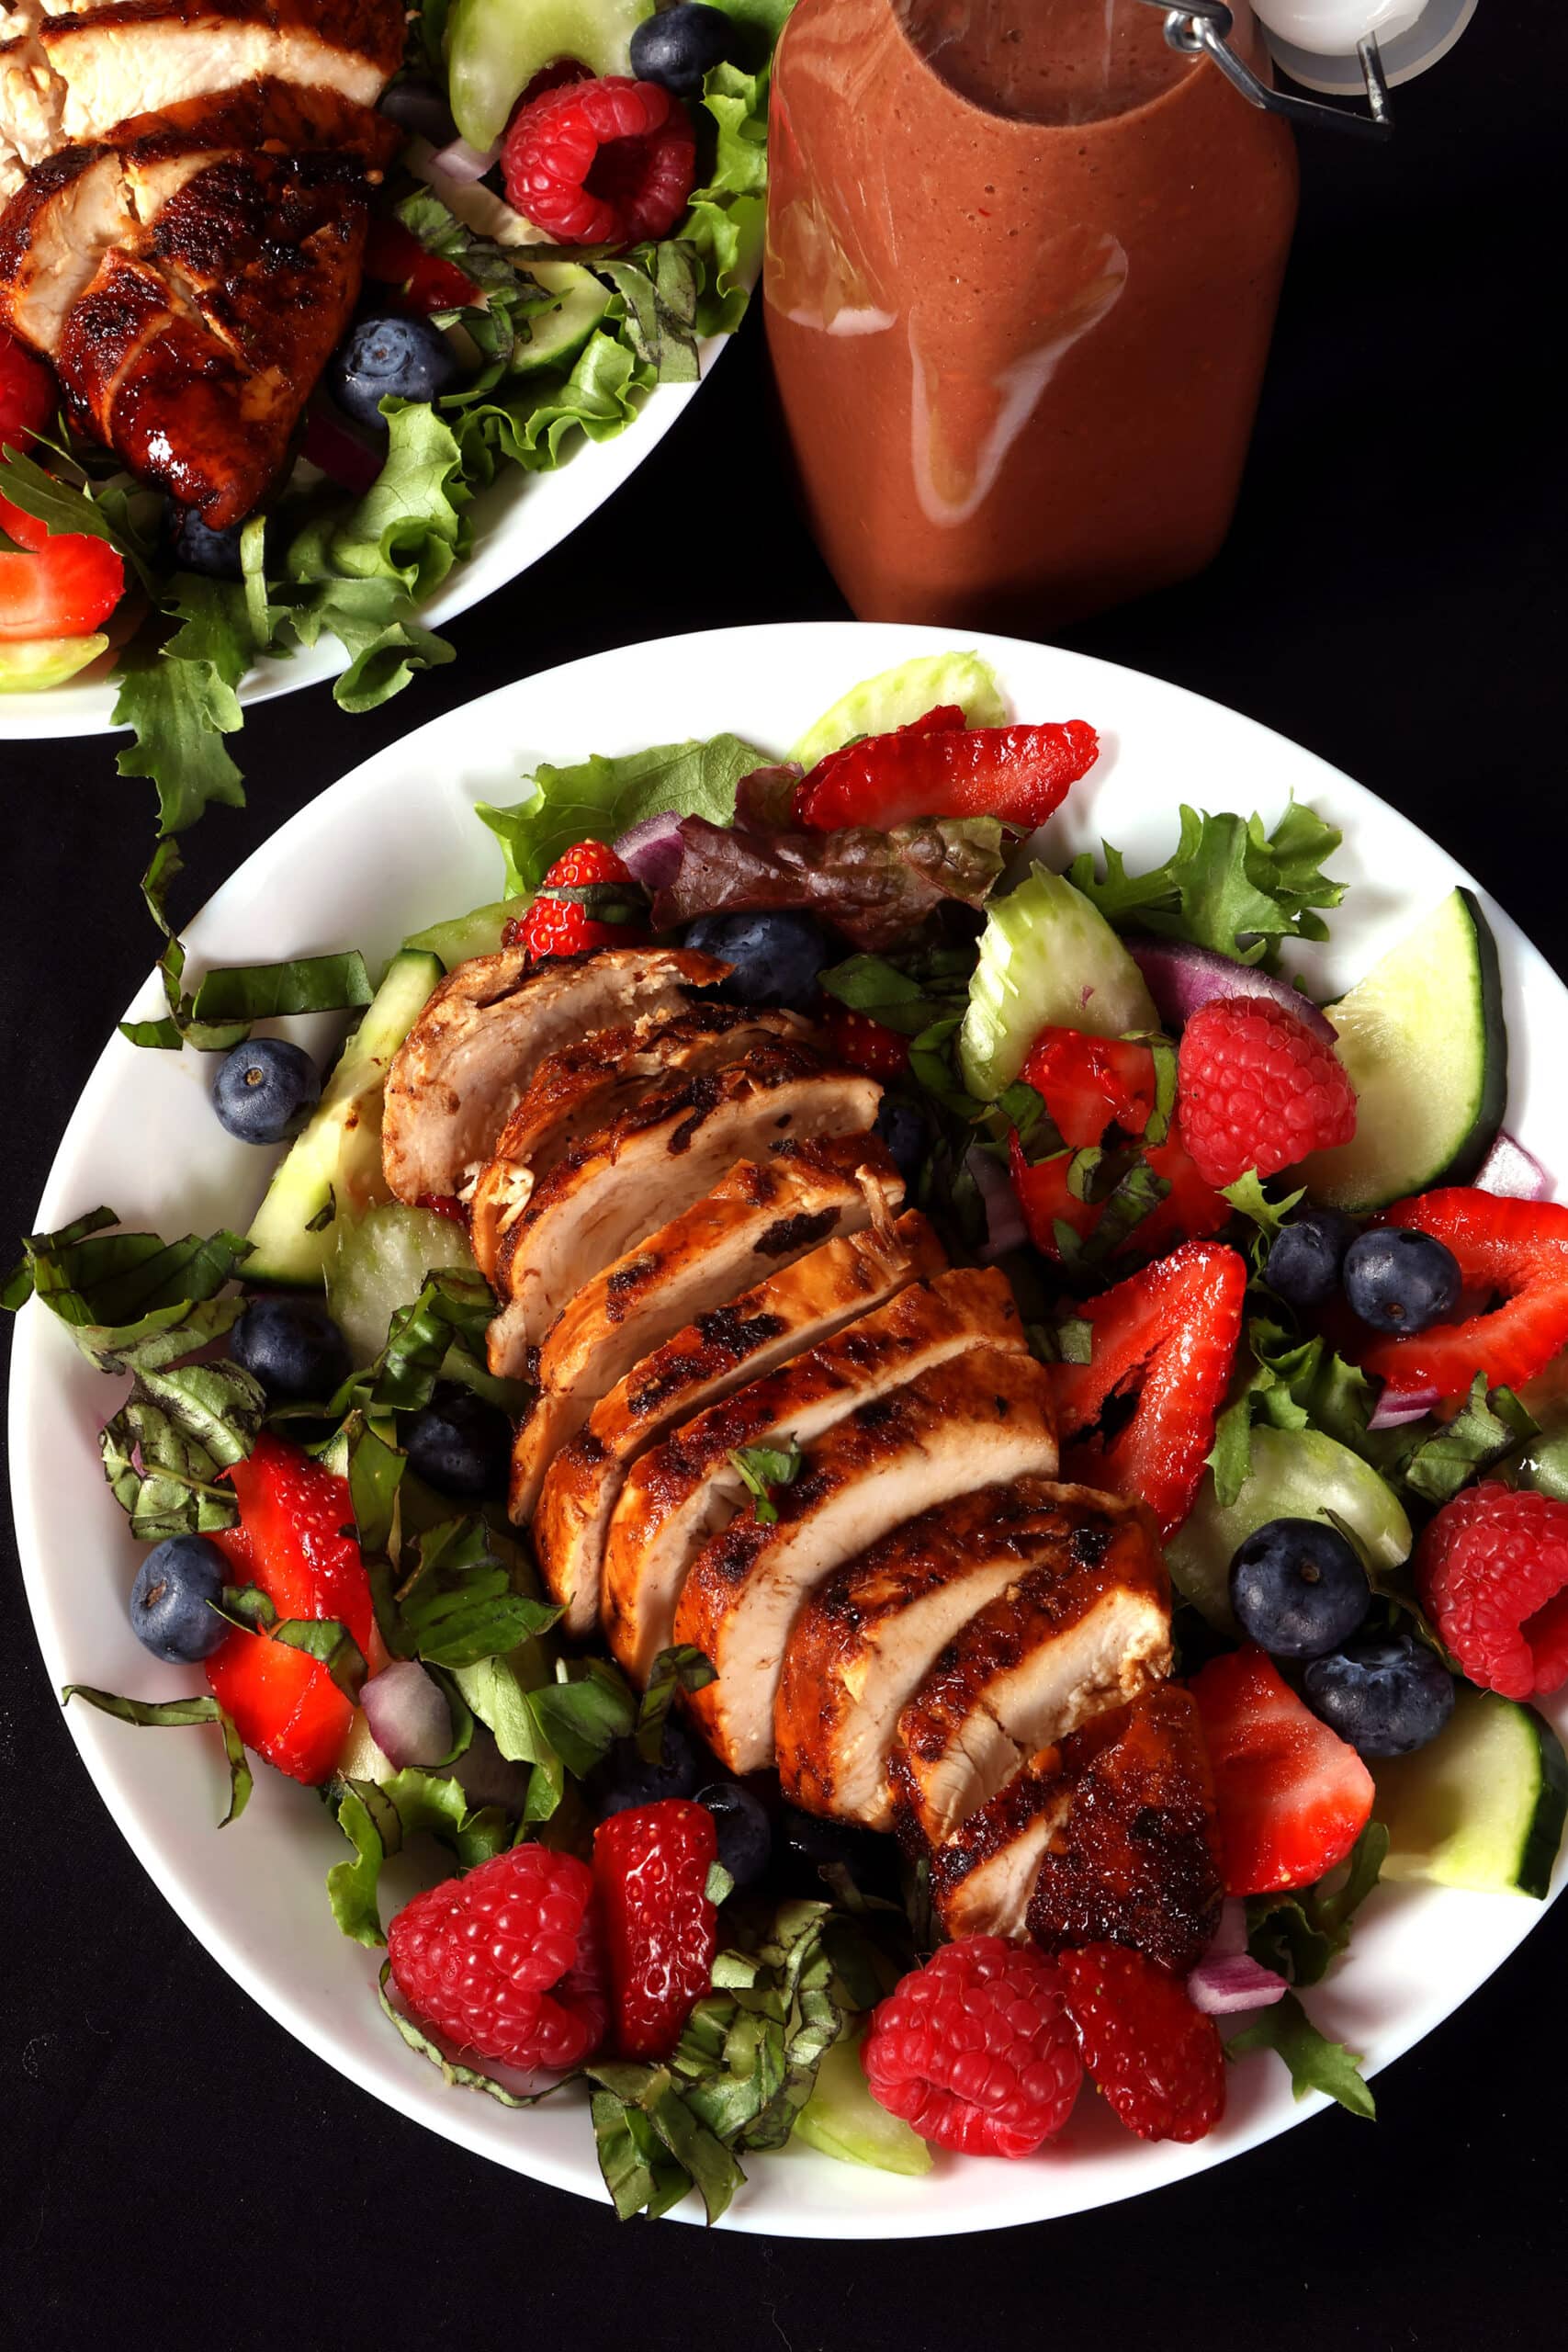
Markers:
point(44, 662)
point(843, 2119)
point(494, 48)
point(1484, 1806)
point(1296, 1473)
point(336, 1160)
point(380, 1264)
point(558, 329)
point(1425, 1042)
point(907, 692)
point(475, 935)
point(1048, 960)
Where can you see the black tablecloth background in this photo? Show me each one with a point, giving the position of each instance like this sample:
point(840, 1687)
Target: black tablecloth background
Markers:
point(172, 2168)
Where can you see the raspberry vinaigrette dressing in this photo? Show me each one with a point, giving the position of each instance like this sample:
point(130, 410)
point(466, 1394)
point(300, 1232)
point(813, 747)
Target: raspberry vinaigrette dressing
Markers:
point(1022, 268)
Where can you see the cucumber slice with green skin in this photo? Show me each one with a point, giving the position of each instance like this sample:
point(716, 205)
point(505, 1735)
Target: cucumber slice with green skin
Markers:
point(45, 661)
point(1048, 960)
point(380, 1264)
point(474, 935)
point(1426, 1048)
point(494, 48)
point(1484, 1806)
point(335, 1162)
point(843, 2119)
point(1296, 1473)
point(907, 692)
point(558, 331)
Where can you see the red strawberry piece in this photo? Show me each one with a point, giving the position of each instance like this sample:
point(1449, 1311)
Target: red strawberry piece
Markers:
point(1167, 1334)
point(599, 163)
point(27, 395)
point(1159, 2061)
point(975, 2051)
point(1515, 1251)
point(563, 921)
point(290, 1543)
point(1492, 1571)
point(650, 1865)
point(860, 1043)
point(59, 585)
point(1019, 773)
point(505, 1963)
point(394, 257)
point(1258, 1088)
point(1291, 1796)
point(444, 1204)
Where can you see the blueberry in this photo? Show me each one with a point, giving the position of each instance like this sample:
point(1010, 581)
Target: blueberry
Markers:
point(776, 955)
point(1304, 1261)
point(262, 1087)
point(169, 1611)
point(216, 554)
point(1387, 1694)
point(744, 1832)
point(907, 1133)
point(418, 105)
point(292, 1346)
point(679, 45)
point(621, 1779)
point(1298, 1589)
point(1399, 1280)
point(460, 1445)
point(407, 357)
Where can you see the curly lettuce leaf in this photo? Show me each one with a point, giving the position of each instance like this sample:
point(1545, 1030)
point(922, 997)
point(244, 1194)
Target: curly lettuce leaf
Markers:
point(724, 227)
point(601, 799)
point(378, 1817)
point(874, 887)
point(1228, 886)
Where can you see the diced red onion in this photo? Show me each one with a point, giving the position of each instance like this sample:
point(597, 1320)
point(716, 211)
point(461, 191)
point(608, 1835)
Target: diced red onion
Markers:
point(1514, 1173)
point(332, 443)
point(407, 1711)
point(1396, 1406)
point(462, 164)
point(1230, 1936)
point(651, 852)
point(1223, 1988)
point(1181, 977)
point(1005, 1228)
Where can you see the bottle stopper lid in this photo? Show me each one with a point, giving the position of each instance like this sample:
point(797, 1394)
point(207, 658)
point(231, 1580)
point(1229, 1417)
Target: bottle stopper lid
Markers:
point(1316, 41)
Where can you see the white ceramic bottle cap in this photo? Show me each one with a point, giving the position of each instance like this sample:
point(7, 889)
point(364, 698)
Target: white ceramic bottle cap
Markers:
point(1314, 41)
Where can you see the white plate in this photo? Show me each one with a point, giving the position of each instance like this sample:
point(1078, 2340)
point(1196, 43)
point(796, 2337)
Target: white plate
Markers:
point(392, 848)
point(516, 523)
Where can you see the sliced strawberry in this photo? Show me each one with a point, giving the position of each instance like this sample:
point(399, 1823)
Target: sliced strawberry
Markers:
point(1514, 1250)
point(290, 1543)
point(860, 1043)
point(1019, 773)
point(1090, 1083)
point(1291, 1796)
point(1167, 1336)
point(394, 257)
point(62, 584)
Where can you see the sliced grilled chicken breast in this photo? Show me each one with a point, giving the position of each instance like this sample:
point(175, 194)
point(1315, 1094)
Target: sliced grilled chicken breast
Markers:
point(586, 1084)
point(865, 1640)
point(984, 1417)
point(1133, 1861)
point(687, 1488)
point(824, 1288)
point(619, 1185)
point(1086, 1632)
point(463, 1067)
point(983, 1875)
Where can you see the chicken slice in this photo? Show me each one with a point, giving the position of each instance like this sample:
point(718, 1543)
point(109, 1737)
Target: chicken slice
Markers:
point(1085, 1632)
point(626, 1180)
point(867, 1639)
point(1133, 1861)
point(688, 1489)
point(587, 1083)
point(826, 1286)
point(464, 1065)
point(982, 1874)
point(984, 1417)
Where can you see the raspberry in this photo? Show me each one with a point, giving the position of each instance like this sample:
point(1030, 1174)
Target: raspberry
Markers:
point(599, 163)
point(1257, 1089)
point(651, 1864)
point(860, 1043)
point(1159, 2061)
point(974, 2050)
point(1492, 1571)
point(505, 1963)
point(558, 923)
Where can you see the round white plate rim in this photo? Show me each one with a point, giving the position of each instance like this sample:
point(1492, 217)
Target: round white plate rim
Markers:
point(835, 654)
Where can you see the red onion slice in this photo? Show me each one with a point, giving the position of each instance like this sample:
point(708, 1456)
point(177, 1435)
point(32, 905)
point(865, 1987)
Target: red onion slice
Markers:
point(408, 1718)
point(1005, 1228)
point(1222, 1988)
point(1396, 1406)
point(1181, 978)
point(462, 163)
point(651, 852)
point(1514, 1173)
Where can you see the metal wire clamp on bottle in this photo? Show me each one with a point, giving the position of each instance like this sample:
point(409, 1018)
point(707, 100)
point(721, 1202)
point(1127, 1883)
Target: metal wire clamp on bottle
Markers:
point(1204, 28)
